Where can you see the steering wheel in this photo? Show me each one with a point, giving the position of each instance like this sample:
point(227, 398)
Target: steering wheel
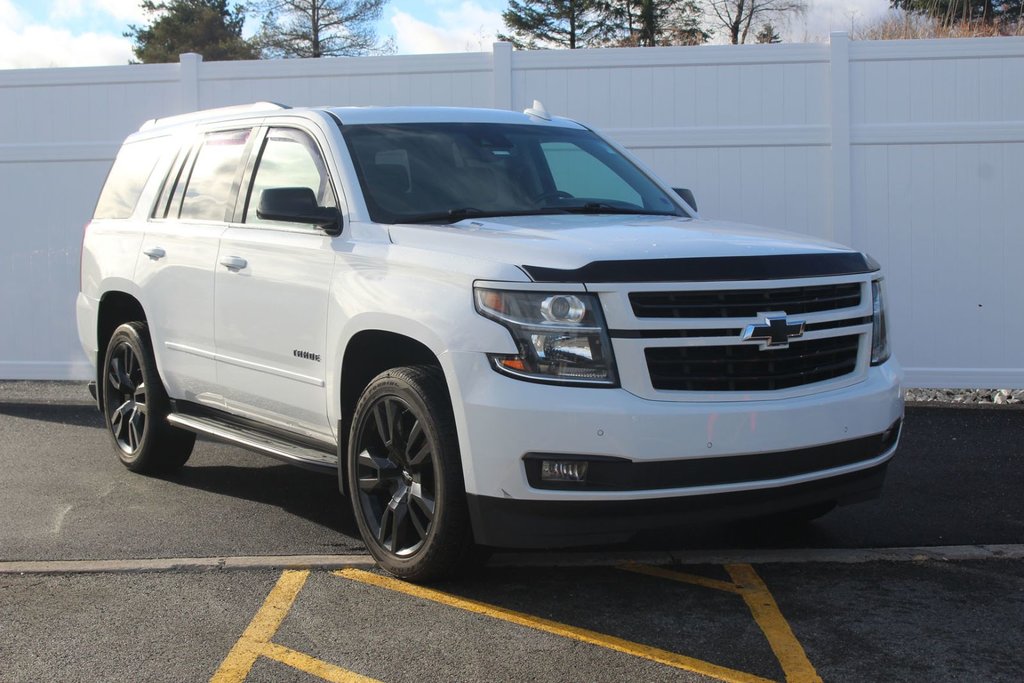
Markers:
point(552, 194)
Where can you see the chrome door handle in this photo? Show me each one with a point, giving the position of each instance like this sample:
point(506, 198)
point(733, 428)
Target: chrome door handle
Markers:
point(155, 253)
point(234, 262)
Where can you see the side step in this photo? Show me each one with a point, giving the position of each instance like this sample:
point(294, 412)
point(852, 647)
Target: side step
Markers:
point(309, 458)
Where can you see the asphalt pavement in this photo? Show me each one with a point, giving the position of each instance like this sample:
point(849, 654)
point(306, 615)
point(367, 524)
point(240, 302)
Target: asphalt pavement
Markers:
point(957, 479)
point(794, 604)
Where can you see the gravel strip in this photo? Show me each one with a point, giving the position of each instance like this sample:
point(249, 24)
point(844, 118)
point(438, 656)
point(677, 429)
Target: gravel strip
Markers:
point(993, 396)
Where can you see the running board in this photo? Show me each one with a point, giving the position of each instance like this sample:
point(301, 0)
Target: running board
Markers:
point(302, 456)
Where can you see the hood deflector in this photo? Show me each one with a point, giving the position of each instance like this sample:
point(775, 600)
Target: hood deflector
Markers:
point(711, 268)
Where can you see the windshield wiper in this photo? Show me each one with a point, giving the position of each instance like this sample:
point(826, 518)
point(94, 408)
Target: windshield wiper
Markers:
point(462, 213)
point(602, 207)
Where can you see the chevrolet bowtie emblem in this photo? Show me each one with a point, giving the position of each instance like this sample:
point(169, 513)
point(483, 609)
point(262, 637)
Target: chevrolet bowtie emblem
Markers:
point(775, 332)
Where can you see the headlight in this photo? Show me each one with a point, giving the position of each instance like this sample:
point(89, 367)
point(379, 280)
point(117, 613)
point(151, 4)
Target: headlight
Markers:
point(561, 336)
point(879, 334)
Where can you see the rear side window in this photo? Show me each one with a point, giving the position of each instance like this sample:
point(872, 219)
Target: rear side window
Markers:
point(128, 177)
point(208, 195)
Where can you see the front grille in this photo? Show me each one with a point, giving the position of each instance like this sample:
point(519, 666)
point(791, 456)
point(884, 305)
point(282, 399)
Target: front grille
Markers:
point(744, 303)
point(745, 367)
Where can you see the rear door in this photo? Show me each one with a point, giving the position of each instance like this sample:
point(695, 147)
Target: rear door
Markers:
point(179, 253)
point(272, 286)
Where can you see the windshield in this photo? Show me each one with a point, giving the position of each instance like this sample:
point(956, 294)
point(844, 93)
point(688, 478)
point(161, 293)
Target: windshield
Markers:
point(445, 172)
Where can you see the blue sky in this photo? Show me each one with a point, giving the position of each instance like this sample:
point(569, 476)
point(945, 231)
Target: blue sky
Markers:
point(43, 33)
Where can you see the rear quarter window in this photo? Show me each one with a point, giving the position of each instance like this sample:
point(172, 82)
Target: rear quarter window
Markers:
point(128, 176)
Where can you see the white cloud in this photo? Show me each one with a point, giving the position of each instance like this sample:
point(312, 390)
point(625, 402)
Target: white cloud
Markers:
point(9, 15)
point(465, 28)
point(24, 44)
point(126, 10)
point(43, 46)
point(129, 11)
point(825, 16)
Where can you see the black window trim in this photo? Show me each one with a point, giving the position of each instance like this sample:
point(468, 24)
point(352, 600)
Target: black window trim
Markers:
point(248, 178)
point(184, 175)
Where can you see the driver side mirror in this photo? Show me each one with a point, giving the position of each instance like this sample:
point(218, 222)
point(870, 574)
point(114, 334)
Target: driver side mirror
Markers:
point(297, 205)
point(687, 196)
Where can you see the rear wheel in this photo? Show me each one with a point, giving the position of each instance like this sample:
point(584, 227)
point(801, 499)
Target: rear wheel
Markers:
point(135, 405)
point(405, 476)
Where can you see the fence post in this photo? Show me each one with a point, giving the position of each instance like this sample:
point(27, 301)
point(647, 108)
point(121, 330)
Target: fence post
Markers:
point(839, 87)
point(189, 79)
point(502, 65)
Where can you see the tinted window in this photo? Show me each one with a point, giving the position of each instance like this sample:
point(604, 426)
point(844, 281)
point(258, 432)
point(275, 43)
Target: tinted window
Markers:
point(163, 202)
point(208, 194)
point(128, 177)
point(581, 174)
point(437, 171)
point(289, 159)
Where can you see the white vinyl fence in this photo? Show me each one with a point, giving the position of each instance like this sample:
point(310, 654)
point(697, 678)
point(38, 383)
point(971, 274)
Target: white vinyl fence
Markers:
point(910, 150)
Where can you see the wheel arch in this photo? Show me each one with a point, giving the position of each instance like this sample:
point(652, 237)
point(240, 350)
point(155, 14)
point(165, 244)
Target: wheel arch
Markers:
point(116, 307)
point(368, 353)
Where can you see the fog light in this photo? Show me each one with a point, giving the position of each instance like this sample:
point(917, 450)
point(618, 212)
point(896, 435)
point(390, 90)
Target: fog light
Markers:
point(563, 470)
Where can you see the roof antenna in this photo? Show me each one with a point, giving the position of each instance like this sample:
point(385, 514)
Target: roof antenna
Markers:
point(538, 110)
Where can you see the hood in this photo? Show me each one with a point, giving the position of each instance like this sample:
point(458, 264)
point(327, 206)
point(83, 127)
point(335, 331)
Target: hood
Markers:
point(558, 247)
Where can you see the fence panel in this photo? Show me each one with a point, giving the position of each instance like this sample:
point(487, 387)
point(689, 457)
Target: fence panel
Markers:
point(910, 150)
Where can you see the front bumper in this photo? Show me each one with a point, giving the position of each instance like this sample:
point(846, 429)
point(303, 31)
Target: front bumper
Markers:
point(502, 421)
point(505, 523)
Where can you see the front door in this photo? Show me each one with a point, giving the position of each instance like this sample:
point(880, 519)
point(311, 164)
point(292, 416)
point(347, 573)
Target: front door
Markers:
point(273, 281)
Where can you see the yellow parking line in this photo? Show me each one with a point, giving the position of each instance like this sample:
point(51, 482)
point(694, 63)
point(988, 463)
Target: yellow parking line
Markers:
point(787, 648)
point(579, 634)
point(255, 641)
point(683, 577)
point(312, 665)
point(261, 629)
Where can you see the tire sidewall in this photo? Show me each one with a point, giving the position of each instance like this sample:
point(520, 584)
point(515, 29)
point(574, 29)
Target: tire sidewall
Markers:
point(136, 337)
point(448, 472)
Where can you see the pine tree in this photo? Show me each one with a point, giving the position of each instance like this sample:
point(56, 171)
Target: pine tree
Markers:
point(569, 24)
point(208, 27)
point(950, 12)
point(768, 34)
point(648, 23)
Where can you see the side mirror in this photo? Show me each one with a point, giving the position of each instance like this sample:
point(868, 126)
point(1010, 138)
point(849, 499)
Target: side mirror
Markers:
point(687, 196)
point(297, 205)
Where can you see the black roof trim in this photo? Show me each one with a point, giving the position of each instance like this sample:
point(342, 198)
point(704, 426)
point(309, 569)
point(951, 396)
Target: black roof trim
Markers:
point(711, 269)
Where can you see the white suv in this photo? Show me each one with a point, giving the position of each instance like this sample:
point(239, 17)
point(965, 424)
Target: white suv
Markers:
point(499, 329)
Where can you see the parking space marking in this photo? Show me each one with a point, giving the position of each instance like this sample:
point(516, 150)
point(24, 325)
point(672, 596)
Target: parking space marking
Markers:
point(312, 665)
point(653, 654)
point(776, 629)
point(747, 584)
point(683, 577)
point(256, 640)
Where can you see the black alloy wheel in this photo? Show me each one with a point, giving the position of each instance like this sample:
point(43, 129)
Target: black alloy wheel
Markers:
point(125, 398)
point(135, 405)
point(404, 476)
point(397, 477)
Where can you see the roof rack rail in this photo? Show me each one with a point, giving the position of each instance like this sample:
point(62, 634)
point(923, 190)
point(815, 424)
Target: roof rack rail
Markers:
point(207, 113)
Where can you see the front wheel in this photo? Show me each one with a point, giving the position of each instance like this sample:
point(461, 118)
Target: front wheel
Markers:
point(405, 476)
point(135, 405)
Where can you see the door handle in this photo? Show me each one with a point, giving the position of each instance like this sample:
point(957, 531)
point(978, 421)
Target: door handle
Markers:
point(155, 253)
point(234, 262)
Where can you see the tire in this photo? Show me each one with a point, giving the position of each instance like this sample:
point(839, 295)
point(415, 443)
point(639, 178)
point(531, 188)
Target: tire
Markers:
point(135, 405)
point(405, 476)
